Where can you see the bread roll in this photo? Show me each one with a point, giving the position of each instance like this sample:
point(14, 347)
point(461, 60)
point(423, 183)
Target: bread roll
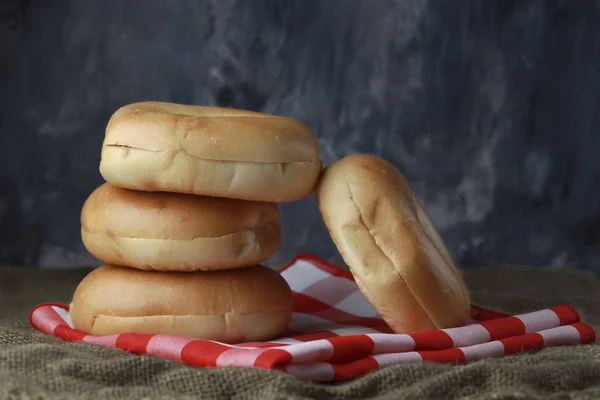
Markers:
point(154, 146)
point(392, 248)
point(242, 305)
point(177, 232)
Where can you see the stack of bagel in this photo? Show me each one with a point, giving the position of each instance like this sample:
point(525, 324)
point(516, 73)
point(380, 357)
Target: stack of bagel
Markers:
point(188, 214)
point(186, 217)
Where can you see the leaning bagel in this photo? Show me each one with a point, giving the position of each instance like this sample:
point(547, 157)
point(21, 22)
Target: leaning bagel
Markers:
point(393, 250)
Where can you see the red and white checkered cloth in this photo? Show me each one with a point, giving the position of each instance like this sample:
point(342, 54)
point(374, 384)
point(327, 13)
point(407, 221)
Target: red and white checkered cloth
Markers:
point(335, 334)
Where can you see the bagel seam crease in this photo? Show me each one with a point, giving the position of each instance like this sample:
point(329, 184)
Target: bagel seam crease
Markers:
point(372, 237)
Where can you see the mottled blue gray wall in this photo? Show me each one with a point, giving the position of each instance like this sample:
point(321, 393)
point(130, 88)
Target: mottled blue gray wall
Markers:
point(490, 108)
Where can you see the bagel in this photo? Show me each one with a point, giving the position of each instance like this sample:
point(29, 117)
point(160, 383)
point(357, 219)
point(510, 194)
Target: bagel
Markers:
point(177, 232)
point(157, 146)
point(242, 305)
point(390, 245)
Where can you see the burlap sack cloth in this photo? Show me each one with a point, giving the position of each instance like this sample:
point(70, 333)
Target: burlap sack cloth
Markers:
point(35, 366)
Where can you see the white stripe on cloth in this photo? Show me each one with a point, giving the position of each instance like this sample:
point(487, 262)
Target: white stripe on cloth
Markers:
point(479, 351)
point(310, 351)
point(322, 291)
point(238, 357)
point(560, 336)
point(108, 340)
point(167, 346)
point(539, 320)
point(468, 335)
point(389, 343)
point(356, 304)
point(64, 314)
point(385, 360)
point(302, 275)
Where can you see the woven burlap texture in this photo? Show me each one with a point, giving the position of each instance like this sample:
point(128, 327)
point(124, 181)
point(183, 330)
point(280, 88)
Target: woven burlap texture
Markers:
point(36, 366)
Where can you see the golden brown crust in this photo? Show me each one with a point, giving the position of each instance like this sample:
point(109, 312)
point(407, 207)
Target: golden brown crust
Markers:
point(210, 151)
point(249, 304)
point(171, 231)
point(390, 245)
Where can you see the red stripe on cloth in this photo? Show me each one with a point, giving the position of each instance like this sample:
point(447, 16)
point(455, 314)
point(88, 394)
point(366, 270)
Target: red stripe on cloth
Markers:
point(566, 314)
point(448, 356)
point(586, 333)
point(523, 343)
point(504, 327)
point(432, 340)
point(273, 358)
point(133, 342)
point(354, 368)
point(202, 353)
point(68, 334)
point(347, 348)
point(307, 305)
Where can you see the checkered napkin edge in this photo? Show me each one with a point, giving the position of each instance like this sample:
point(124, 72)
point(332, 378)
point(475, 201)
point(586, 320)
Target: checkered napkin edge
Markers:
point(335, 334)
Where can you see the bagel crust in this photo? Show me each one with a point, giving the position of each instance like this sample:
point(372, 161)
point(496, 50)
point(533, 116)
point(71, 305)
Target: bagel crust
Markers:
point(392, 248)
point(177, 232)
point(242, 305)
point(220, 152)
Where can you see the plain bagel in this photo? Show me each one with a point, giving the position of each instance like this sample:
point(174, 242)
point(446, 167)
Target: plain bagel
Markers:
point(177, 232)
point(157, 146)
point(392, 248)
point(242, 305)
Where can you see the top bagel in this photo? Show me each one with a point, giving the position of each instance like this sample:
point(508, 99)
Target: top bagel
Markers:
point(219, 152)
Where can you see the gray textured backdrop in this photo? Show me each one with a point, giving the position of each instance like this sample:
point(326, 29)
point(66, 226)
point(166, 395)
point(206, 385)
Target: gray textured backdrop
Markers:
point(490, 108)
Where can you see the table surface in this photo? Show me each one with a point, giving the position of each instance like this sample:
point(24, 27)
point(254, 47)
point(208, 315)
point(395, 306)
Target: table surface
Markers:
point(33, 364)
